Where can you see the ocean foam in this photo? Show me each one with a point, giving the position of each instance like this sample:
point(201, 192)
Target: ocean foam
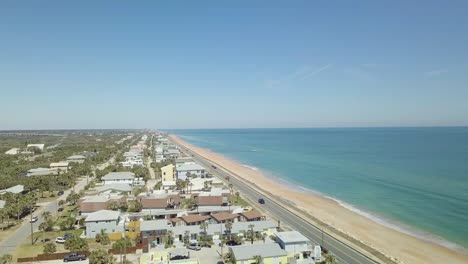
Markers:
point(250, 167)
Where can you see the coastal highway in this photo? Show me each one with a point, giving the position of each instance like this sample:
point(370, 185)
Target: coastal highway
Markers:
point(343, 252)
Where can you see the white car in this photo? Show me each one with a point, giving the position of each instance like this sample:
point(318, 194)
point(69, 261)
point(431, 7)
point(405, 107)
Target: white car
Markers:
point(60, 240)
point(34, 219)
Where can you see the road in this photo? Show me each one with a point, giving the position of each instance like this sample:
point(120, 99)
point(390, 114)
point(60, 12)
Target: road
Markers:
point(10, 243)
point(343, 252)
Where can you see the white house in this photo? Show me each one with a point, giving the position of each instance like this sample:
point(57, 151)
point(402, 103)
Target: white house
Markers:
point(41, 172)
point(293, 242)
point(118, 177)
point(13, 151)
point(76, 158)
point(185, 169)
point(106, 220)
point(62, 165)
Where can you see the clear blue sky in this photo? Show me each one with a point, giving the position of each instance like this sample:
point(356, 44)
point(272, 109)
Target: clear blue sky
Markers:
point(79, 64)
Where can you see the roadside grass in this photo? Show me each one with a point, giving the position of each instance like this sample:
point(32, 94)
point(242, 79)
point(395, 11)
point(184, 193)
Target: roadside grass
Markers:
point(8, 231)
point(240, 202)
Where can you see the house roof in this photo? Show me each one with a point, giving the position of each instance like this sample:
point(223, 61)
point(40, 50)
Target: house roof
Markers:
point(59, 164)
point(222, 216)
point(291, 237)
point(194, 218)
point(190, 167)
point(251, 214)
point(247, 252)
point(121, 187)
point(151, 225)
point(15, 189)
point(76, 157)
point(102, 215)
point(258, 226)
point(121, 175)
point(40, 146)
point(154, 203)
point(2, 204)
point(210, 200)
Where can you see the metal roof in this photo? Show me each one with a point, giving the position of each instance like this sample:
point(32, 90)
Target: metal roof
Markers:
point(291, 237)
point(246, 252)
point(190, 167)
point(151, 225)
point(122, 175)
point(102, 215)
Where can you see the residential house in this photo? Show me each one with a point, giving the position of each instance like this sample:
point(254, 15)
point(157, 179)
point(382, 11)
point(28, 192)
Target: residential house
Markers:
point(154, 229)
point(189, 169)
point(224, 217)
point(270, 253)
point(168, 173)
point(184, 160)
point(76, 159)
point(2, 204)
point(251, 216)
point(103, 220)
point(268, 227)
point(294, 242)
point(14, 189)
point(123, 188)
point(40, 172)
point(159, 200)
point(193, 219)
point(126, 177)
point(13, 151)
point(60, 166)
point(91, 204)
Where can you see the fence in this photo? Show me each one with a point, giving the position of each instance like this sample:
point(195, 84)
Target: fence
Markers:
point(53, 256)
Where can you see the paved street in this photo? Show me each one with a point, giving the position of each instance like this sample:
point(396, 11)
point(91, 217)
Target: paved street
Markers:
point(9, 244)
point(344, 253)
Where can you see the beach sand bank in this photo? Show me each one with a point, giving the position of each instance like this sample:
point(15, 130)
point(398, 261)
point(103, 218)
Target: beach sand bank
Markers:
point(404, 247)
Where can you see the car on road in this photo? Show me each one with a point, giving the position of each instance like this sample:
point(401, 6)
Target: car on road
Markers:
point(60, 240)
point(213, 166)
point(60, 209)
point(74, 257)
point(232, 243)
point(34, 219)
point(60, 193)
point(261, 201)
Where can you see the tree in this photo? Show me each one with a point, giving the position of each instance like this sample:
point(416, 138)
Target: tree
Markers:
point(329, 259)
point(68, 223)
point(228, 226)
point(237, 196)
point(75, 243)
point(231, 188)
point(6, 259)
point(251, 233)
point(101, 256)
point(180, 184)
point(103, 238)
point(47, 216)
point(158, 185)
point(113, 205)
point(49, 248)
point(258, 259)
point(61, 203)
point(122, 243)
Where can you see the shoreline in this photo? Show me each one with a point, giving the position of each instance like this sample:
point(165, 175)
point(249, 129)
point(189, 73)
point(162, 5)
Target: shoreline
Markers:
point(407, 248)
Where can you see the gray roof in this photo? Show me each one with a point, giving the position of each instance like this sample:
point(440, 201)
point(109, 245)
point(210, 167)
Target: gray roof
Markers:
point(291, 237)
point(2, 204)
point(102, 215)
point(151, 225)
point(76, 157)
point(15, 189)
point(258, 226)
point(246, 252)
point(121, 187)
point(190, 167)
point(122, 175)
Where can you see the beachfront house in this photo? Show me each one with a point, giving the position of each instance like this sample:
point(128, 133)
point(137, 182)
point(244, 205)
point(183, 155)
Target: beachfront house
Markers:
point(154, 230)
point(13, 151)
point(186, 170)
point(40, 172)
point(294, 242)
point(102, 220)
point(126, 177)
point(251, 216)
point(270, 253)
point(168, 173)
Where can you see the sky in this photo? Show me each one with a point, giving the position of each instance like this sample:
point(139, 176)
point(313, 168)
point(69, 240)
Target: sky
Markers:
point(232, 64)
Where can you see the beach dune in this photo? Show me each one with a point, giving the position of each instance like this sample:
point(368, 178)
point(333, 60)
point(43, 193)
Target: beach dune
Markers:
point(403, 247)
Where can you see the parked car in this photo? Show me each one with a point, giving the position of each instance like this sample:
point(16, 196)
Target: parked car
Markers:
point(220, 262)
point(194, 245)
point(60, 193)
point(232, 243)
point(66, 236)
point(177, 257)
point(60, 209)
point(60, 240)
point(74, 257)
point(34, 219)
point(261, 201)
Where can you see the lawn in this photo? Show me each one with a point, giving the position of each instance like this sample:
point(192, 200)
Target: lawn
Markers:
point(240, 202)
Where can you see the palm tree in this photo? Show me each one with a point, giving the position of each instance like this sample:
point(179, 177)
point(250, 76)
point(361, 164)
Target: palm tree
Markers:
point(237, 196)
point(330, 259)
point(204, 226)
point(170, 234)
point(231, 188)
point(251, 231)
point(258, 259)
point(43, 227)
point(47, 216)
point(228, 226)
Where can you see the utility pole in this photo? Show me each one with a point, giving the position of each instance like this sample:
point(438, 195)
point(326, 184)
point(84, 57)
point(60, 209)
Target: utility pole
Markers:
point(125, 240)
point(32, 234)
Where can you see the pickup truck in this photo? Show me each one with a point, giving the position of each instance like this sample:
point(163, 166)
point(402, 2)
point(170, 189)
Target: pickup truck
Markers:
point(74, 257)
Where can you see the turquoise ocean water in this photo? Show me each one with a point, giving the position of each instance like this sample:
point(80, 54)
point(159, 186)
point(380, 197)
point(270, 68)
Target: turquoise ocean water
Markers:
point(413, 179)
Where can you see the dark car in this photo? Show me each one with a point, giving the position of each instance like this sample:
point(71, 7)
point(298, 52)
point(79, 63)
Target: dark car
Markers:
point(261, 201)
point(177, 257)
point(60, 193)
point(213, 166)
point(66, 236)
point(74, 257)
point(220, 262)
point(232, 243)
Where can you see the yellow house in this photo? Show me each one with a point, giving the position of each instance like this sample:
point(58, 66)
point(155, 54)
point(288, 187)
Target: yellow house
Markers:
point(270, 253)
point(168, 173)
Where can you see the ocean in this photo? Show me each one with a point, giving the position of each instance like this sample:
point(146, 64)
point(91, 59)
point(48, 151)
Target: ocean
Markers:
point(411, 179)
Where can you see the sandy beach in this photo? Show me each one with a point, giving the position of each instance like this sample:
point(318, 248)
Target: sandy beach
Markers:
point(405, 248)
